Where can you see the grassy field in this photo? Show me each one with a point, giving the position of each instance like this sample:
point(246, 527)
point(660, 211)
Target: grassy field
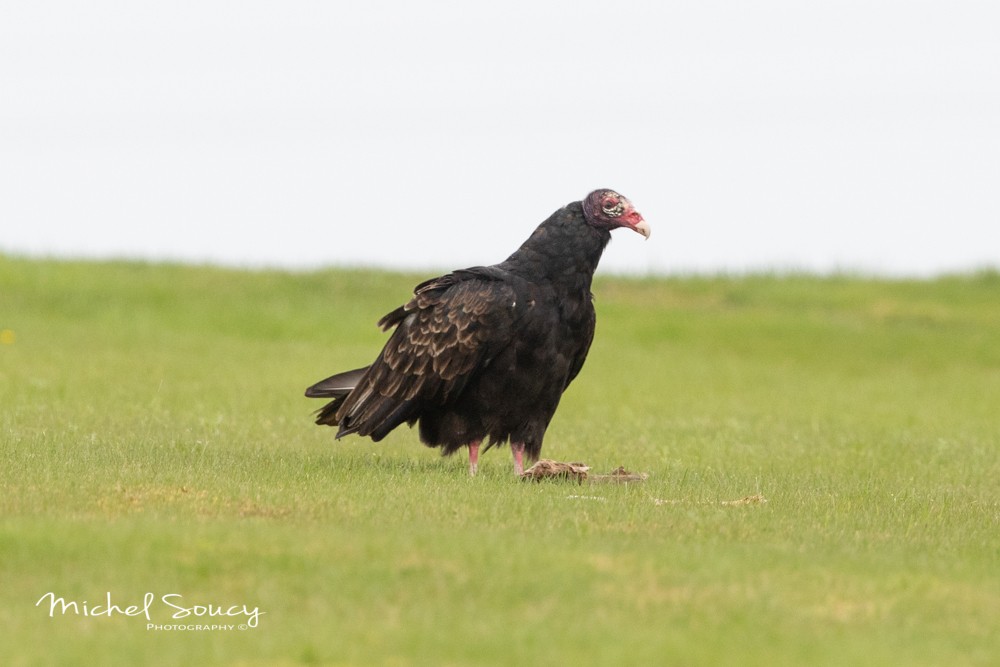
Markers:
point(155, 440)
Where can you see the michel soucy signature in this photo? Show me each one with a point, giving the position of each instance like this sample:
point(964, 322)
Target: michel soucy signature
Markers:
point(173, 601)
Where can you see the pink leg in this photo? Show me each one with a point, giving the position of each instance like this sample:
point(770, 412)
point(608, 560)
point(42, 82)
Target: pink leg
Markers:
point(473, 457)
point(517, 448)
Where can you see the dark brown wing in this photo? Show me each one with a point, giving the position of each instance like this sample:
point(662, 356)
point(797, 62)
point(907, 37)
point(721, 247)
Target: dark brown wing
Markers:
point(450, 328)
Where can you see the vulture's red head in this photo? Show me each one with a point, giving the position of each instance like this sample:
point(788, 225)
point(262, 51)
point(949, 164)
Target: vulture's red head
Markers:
point(609, 210)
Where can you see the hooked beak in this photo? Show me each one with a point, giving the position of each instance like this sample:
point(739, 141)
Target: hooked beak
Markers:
point(637, 224)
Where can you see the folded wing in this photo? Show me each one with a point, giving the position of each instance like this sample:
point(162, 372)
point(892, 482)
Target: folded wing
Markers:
point(451, 328)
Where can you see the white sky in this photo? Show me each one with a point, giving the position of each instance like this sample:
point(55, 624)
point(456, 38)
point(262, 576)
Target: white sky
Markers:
point(775, 134)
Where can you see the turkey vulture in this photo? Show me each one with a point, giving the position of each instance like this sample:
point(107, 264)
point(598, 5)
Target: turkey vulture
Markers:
point(486, 352)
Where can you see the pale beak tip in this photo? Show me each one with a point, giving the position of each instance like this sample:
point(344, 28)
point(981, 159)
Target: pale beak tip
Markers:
point(643, 228)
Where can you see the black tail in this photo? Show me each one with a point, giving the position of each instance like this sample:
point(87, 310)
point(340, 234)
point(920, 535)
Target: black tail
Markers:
point(338, 387)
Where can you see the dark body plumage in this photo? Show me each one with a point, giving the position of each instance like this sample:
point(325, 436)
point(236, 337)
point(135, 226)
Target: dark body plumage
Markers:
point(484, 352)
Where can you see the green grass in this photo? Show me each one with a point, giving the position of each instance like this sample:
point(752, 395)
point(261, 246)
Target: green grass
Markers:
point(155, 438)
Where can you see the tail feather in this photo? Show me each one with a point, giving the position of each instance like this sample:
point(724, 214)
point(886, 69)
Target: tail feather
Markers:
point(376, 418)
point(337, 385)
point(327, 415)
point(365, 412)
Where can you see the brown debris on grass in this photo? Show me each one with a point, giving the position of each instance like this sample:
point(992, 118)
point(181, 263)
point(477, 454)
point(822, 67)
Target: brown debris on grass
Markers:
point(547, 468)
point(619, 476)
point(756, 499)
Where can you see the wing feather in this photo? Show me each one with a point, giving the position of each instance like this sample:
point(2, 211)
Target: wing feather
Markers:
point(450, 328)
point(586, 335)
